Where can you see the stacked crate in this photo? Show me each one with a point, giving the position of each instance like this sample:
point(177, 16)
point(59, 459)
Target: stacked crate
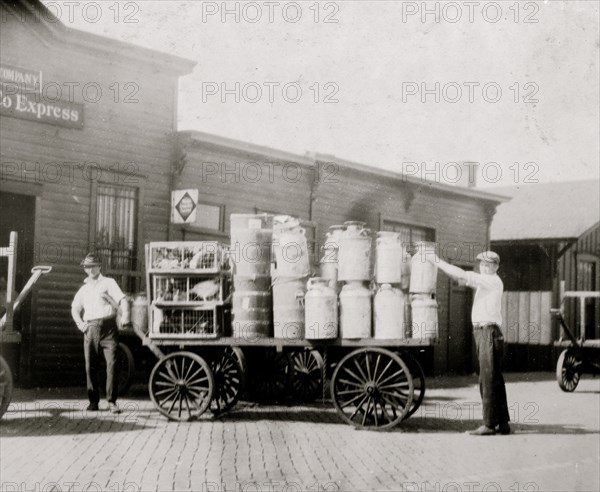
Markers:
point(188, 286)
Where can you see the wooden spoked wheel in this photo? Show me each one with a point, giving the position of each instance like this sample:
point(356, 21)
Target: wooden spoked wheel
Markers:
point(270, 376)
point(240, 357)
point(306, 374)
point(568, 370)
point(125, 368)
point(182, 386)
point(229, 380)
point(418, 376)
point(6, 386)
point(372, 388)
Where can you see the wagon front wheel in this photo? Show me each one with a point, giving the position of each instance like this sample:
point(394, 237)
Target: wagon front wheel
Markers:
point(372, 388)
point(6, 386)
point(568, 370)
point(181, 386)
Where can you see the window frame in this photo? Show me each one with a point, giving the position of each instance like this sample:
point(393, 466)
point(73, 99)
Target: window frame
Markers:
point(410, 225)
point(221, 228)
point(120, 275)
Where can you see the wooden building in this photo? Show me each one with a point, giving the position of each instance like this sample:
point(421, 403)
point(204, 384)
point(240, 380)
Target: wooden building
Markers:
point(546, 234)
point(323, 190)
point(89, 155)
point(85, 153)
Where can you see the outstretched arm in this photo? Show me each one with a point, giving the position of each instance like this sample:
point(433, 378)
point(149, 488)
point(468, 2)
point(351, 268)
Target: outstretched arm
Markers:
point(450, 270)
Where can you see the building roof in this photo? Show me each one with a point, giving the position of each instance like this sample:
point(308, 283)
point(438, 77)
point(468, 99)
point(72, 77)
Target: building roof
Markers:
point(562, 210)
point(309, 159)
point(35, 14)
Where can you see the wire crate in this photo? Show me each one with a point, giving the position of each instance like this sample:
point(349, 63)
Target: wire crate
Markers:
point(181, 289)
point(186, 257)
point(190, 322)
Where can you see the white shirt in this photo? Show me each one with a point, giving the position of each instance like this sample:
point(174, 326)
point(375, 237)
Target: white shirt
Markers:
point(92, 298)
point(487, 305)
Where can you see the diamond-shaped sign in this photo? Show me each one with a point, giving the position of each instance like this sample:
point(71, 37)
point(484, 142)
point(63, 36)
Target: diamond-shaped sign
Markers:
point(184, 203)
point(186, 206)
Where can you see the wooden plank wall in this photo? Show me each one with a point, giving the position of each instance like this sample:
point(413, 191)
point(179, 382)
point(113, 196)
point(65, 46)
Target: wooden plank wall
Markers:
point(526, 317)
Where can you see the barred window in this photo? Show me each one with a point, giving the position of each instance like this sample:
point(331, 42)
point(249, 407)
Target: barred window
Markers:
point(116, 219)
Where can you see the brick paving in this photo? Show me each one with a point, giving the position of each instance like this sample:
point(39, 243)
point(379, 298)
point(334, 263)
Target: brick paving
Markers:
point(49, 443)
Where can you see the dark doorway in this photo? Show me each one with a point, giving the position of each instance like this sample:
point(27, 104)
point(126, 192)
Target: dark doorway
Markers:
point(18, 214)
point(460, 332)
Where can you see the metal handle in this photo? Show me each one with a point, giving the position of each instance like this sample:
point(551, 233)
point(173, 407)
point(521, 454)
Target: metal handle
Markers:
point(43, 269)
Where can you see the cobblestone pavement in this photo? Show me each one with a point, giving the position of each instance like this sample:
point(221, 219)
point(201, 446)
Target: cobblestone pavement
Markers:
point(48, 443)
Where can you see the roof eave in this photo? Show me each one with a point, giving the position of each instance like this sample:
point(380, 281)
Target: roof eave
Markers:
point(89, 41)
point(456, 190)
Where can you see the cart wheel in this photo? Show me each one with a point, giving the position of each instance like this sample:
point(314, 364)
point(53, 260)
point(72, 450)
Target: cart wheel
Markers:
point(241, 358)
point(229, 380)
point(372, 388)
point(306, 374)
point(568, 370)
point(418, 376)
point(125, 368)
point(270, 375)
point(6, 386)
point(181, 386)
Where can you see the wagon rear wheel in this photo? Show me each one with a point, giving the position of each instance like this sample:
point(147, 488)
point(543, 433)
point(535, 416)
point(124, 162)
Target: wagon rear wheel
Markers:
point(306, 374)
point(418, 376)
point(125, 368)
point(270, 375)
point(181, 386)
point(372, 388)
point(6, 386)
point(568, 370)
point(229, 375)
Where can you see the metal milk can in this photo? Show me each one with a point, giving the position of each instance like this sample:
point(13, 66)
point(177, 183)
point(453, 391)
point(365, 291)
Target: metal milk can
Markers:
point(355, 311)
point(320, 310)
point(139, 312)
point(354, 258)
point(288, 308)
point(290, 248)
point(389, 257)
point(328, 266)
point(423, 273)
point(424, 314)
point(389, 312)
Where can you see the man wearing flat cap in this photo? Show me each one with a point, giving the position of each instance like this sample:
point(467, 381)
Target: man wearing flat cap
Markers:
point(486, 317)
point(94, 310)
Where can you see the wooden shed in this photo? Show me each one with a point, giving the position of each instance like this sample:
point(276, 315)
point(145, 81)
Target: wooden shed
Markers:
point(547, 233)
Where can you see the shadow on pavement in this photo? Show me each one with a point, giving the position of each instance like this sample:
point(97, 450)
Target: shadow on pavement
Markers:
point(63, 418)
point(59, 425)
point(426, 425)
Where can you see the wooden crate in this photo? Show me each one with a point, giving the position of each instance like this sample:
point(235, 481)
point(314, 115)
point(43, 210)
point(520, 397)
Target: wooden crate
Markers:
point(186, 322)
point(186, 257)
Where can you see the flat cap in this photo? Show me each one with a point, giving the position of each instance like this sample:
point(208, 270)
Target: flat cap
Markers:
point(489, 256)
point(91, 260)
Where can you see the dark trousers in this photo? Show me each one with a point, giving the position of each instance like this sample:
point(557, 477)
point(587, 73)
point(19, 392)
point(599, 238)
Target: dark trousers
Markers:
point(490, 346)
point(101, 335)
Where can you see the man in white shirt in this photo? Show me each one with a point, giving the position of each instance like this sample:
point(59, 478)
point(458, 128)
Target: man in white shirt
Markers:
point(486, 317)
point(94, 311)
